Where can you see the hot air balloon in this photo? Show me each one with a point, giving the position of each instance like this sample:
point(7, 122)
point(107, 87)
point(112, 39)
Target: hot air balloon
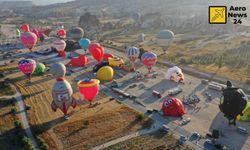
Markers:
point(106, 56)
point(61, 33)
point(58, 70)
point(80, 61)
point(97, 51)
point(28, 39)
point(62, 96)
point(232, 103)
point(27, 66)
point(18, 33)
point(133, 53)
point(173, 107)
point(76, 33)
point(60, 45)
point(89, 88)
point(164, 38)
point(174, 74)
point(40, 69)
point(105, 73)
point(25, 28)
point(84, 43)
point(149, 60)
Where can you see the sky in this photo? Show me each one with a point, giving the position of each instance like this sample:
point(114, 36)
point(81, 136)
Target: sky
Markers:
point(43, 2)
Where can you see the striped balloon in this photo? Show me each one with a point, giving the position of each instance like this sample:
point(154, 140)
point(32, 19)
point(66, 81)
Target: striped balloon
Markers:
point(60, 45)
point(149, 60)
point(133, 53)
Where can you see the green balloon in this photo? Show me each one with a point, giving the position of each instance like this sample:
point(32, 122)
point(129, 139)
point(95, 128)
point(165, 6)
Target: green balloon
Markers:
point(18, 32)
point(40, 69)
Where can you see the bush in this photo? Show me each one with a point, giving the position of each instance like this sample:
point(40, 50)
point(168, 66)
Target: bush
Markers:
point(86, 122)
point(17, 124)
point(27, 143)
point(13, 111)
point(44, 146)
point(141, 117)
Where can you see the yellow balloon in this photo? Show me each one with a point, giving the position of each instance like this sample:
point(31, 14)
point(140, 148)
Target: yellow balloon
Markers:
point(105, 73)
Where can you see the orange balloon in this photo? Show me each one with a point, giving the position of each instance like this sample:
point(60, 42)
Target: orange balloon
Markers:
point(25, 28)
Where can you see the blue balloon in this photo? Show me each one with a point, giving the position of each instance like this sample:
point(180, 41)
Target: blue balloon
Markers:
point(84, 43)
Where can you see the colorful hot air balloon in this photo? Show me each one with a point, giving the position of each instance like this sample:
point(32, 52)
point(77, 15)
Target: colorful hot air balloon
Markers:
point(80, 61)
point(97, 51)
point(62, 96)
point(60, 45)
point(76, 33)
point(40, 69)
point(106, 56)
point(27, 66)
point(61, 33)
point(149, 60)
point(25, 28)
point(28, 39)
point(89, 88)
point(18, 33)
point(133, 53)
point(84, 43)
point(58, 70)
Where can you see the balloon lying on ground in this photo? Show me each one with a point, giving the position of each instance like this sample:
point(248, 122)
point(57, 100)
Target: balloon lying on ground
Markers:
point(149, 60)
point(60, 46)
point(89, 88)
point(174, 74)
point(84, 43)
point(40, 69)
point(62, 96)
point(232, 103)
point(80, 61)
point(58, 70)
point(28, 39)
point(61, 33)
point(76, 33)
point(27, 66)
point(164, 38)
point(173, 107)
point(100, 65)
point(25, 28)
point(246, 114)
point(105, 73)
point(97, 51)
point(116, 61)
point(106, 56)
point(38, 33)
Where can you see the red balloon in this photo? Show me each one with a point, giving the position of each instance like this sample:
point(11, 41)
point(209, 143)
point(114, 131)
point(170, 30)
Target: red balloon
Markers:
point(25, 28)
point(106, 56)
point(80, 61)
point(89, 88)
point(61, 33)
point(96, 51)
point(173, 107)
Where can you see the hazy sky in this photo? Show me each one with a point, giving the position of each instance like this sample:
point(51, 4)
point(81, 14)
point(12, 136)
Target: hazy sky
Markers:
point(43, 2)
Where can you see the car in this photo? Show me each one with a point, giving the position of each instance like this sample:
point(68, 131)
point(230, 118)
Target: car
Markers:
point(174, 91)
point(149, 111)
point(165, 128)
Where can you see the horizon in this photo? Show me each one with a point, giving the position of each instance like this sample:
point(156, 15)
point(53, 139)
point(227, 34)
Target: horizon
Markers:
point(44, 2)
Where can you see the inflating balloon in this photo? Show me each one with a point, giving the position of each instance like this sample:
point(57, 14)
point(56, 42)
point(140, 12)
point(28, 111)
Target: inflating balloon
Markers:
point(133, 53)
point(27, 66)
point(149, 60)
point(18, 33)
point(80, 61)
point(61, 33)
point(40, 69)
point(232, 103)
point(25, 28)
point(105, 73)
point(100, 65)
point(28, 39)
point(60, 45)
point(58, 70)
point(76, 33)
point(164, 38)
point(174, 74)
point(97, 51)
point(106, 56)
point(173, 107)
point(88, 89)
point(84, 43)
point(62, 96)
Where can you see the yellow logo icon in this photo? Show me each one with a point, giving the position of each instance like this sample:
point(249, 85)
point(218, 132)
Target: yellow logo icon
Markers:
point(217, 14)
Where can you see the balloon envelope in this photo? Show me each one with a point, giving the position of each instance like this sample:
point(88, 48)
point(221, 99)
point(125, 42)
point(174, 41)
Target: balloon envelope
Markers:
point(58, 70)
point(84, 43)
point(173, 107)
point(76, 33)
point(97, 51)
point(61, 33)
point(89, 88)
point(175, 74)
point(40, 69)
point(28, 39)
point(164, 38)
point(60, 45)
point(27, 66)
point(133, 53)
point(25, 28)
point(149, 59)
point(106, 56)
point(105, 73)
point(18, 32)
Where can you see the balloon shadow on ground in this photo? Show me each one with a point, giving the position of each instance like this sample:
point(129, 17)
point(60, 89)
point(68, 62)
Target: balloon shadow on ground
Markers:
point(229, 135)
point(44, 79)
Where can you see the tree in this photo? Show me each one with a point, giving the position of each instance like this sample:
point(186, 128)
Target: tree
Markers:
point(221, 61)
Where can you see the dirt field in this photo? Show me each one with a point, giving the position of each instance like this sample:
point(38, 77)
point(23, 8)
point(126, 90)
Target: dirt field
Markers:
point(157, 141)
point(87, 127)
